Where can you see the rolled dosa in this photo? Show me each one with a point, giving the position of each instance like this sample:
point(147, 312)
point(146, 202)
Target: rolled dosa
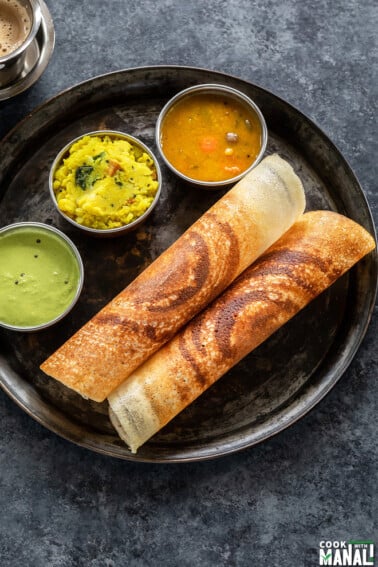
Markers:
point(180, 282)
point(319, 248)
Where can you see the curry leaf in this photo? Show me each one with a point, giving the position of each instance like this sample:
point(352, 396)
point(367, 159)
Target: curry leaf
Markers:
point(82, 176)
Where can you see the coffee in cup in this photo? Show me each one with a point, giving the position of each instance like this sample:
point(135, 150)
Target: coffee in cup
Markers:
point(19, 24)
point(15, 26)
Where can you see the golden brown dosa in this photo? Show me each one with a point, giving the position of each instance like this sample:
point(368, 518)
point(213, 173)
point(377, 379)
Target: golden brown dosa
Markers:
point(318, 249)
point(181, 282)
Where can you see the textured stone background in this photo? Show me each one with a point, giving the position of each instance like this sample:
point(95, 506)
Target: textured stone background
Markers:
point(271, 505)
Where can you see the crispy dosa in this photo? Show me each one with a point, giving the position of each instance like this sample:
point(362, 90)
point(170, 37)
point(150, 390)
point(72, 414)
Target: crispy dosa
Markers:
point(180, 282)
point(317, 250)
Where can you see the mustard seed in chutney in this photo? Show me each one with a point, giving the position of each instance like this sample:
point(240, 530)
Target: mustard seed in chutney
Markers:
point(40, 275)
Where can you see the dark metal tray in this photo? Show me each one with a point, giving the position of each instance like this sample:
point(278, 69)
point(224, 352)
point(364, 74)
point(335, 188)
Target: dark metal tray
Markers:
point(272, 387)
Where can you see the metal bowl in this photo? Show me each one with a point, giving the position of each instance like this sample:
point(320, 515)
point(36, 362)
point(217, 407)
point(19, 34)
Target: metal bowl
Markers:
point(111, 232)
point(66, 242)
point(216, 90)
point(12, 64)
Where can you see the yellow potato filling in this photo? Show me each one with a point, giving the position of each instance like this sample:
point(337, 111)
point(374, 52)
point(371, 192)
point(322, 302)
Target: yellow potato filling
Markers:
point(105, 182)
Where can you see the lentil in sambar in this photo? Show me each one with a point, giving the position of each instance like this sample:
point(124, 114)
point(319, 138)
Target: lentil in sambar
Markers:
point(105, 182)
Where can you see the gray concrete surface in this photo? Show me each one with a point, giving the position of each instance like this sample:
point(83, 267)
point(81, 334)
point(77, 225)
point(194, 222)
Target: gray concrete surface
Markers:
point(271, 505)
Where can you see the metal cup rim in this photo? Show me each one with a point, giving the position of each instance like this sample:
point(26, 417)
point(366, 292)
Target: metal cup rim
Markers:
point(37, 19)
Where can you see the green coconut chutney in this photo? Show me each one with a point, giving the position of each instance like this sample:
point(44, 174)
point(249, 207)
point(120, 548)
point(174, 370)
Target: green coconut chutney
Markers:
point(39, 276)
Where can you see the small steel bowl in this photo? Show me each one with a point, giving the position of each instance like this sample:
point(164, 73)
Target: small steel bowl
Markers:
point(66, 242)
point(110, 232)
point(12, 64)
point(217, 90)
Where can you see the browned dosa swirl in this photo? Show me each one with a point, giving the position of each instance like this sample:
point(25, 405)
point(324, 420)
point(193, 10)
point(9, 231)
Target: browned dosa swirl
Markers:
point(318, 249)
point(181, 282)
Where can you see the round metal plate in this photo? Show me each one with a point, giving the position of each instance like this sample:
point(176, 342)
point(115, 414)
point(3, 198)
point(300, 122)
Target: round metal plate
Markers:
point(272, 387)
